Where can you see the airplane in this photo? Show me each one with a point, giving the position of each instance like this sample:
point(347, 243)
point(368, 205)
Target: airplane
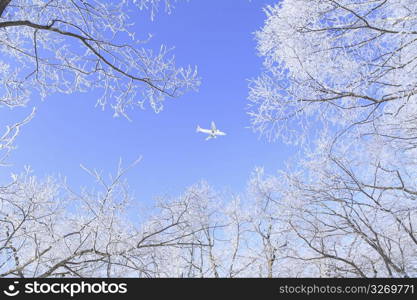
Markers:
point(213, 132)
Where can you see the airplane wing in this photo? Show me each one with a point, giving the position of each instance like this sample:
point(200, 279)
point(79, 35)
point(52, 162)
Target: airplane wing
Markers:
point(213, 126)
point(199, 129)
point(209, 137)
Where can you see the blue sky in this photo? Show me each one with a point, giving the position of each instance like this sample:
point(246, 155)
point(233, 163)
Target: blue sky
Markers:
point(217, 36)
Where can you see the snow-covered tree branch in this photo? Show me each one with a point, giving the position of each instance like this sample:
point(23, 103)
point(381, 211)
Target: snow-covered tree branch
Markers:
point(339, 77)
point(67, 46)
point(344, 63)
point(48, 230)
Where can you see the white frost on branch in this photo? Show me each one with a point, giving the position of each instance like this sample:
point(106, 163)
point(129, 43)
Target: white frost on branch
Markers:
point(64, 46)
point(340, 62)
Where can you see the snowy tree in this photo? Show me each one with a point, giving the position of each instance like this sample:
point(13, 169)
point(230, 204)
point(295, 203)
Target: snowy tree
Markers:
point(49, 230)
point(356, 216)
point(339, 78)
point(69, 46)
point(344, 63)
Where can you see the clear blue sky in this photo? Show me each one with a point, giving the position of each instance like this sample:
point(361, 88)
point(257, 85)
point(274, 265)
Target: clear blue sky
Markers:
point(215, 35)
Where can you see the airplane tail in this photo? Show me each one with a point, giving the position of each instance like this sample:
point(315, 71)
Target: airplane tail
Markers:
point(198, 128)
